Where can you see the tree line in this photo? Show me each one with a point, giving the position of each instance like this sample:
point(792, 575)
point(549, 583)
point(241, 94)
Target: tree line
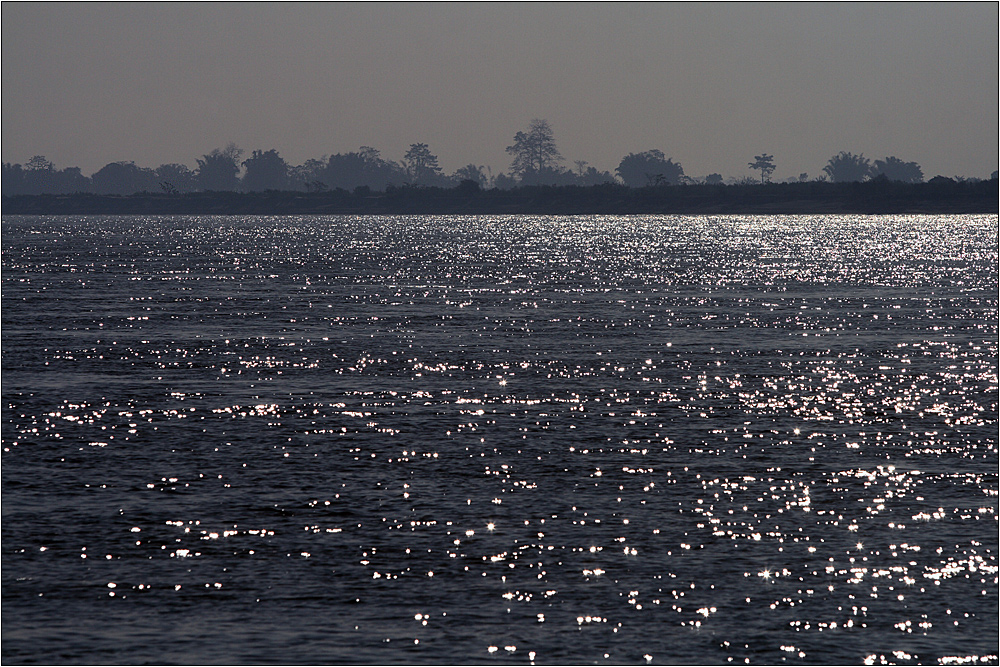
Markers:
point(535, 161)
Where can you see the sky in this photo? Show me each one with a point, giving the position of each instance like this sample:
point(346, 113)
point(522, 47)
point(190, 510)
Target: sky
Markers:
point(710, 84)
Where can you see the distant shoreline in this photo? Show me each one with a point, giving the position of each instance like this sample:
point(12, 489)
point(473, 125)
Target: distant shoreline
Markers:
point(872, 197)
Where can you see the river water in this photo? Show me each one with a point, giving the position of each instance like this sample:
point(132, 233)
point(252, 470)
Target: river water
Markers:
point(477, 440)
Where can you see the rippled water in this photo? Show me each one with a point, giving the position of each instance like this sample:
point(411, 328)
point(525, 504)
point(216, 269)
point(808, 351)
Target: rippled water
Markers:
point(637, 440)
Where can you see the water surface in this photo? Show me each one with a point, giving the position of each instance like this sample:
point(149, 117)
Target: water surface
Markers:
point(420, 439)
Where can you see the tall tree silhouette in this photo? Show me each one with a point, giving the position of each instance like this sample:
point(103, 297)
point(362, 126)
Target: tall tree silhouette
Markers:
point(845, 167)
point(765, 163)
point(534, 151)
point(421, 165)
point(218, 170)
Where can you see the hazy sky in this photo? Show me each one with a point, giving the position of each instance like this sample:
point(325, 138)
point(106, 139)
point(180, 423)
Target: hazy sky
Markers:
point(709, 84)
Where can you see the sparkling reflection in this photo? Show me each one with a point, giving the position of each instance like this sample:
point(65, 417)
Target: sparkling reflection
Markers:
point(634, 440)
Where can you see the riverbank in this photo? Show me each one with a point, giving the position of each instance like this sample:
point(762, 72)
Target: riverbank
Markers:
point(872, 197)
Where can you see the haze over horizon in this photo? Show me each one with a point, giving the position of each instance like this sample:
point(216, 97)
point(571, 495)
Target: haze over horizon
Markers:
point(710, 84)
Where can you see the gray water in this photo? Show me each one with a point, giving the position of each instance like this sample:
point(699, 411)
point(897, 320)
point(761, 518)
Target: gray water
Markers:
point(610, 440)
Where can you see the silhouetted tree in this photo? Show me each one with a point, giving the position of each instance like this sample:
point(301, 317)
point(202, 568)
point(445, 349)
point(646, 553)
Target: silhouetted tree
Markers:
point(265, 170)
point(650, 167)
point(421, 165)
point(365, 167)
point(40, 176)
point(345, 170)
point(36, 175)
point(845, 167)
point(180, 177)
point(592, 176)
point(764, 163)
point(219, 169)
point(896, 170)
point(70, 180)
point(534, 151)
point(471, 172)
point(713, 179)
point(308, 175)
point(39, 163)
point(124, 178)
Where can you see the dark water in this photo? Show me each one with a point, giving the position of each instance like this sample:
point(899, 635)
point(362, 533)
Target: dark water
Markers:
point(500, 439)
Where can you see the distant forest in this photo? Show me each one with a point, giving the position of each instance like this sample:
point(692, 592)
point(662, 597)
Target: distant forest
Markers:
point(535, 160)
point(537, 179)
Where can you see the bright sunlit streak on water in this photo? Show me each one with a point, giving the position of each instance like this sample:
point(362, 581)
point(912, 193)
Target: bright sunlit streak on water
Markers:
point(660, 439)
